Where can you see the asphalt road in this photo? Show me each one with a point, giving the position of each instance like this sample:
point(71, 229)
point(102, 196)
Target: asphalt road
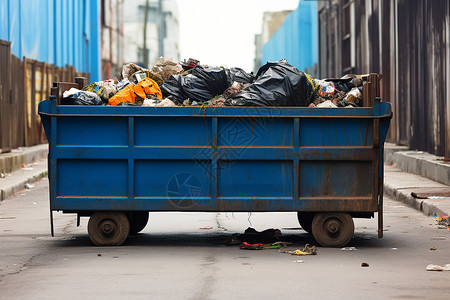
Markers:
point(173, 258)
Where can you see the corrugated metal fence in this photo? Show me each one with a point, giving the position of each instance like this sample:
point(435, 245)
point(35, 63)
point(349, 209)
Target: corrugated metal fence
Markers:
point(58, 32)
point(408, 42)
point(423, 74)
point(23, 84)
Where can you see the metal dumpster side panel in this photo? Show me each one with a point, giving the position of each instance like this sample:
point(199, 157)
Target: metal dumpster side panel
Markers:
point(222, 159)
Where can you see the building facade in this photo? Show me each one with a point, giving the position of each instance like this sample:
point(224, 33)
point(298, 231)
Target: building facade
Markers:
point(161, 31)
point(112, 37)
point(272, 21)
point(296, 39)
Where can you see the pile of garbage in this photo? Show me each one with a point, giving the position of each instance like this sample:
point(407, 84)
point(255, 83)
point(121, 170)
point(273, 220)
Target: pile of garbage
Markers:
point(189, 83)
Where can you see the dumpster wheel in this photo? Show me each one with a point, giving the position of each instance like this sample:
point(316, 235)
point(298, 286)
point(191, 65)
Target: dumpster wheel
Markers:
point(305, 219)
point(333, 229)
point(138, 220)
point(108, 228)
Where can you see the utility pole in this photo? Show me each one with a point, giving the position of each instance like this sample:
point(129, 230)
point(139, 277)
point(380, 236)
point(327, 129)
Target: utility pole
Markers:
point(145, 34)
point(160, 28)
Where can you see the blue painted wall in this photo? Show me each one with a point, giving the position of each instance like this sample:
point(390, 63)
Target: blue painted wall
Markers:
point(297, 39)
point(57, 32)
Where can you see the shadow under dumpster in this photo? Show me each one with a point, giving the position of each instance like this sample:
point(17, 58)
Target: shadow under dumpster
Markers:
point(215, 240)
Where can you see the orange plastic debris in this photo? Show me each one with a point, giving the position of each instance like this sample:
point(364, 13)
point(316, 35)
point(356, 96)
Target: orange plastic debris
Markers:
point(124, 95)
point(142, 89)
point(147, 87)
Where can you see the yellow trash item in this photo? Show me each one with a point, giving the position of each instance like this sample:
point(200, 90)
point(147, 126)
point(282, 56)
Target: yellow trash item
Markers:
point(147, 87)
point(307, 250)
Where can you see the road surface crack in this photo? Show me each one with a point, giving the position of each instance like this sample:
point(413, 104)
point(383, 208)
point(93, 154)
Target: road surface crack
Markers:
point(27, 265)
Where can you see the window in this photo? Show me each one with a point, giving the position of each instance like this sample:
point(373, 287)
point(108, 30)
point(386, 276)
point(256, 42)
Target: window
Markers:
point(348, 36)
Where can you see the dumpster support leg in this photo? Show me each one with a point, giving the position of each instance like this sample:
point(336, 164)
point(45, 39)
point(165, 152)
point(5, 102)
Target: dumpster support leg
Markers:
point(380, 216)
point(381, 192)
point(51, 223)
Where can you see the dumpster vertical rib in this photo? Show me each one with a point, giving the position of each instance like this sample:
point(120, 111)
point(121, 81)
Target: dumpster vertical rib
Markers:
point(375, 163)
point(214, 159)
point(52, 160)
point(296, 158)
point(131, 161)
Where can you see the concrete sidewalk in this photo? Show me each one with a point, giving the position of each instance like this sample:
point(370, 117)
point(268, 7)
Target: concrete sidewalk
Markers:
point(400, 185)
point(20, 168)
point(406, 172)
point(416, 172)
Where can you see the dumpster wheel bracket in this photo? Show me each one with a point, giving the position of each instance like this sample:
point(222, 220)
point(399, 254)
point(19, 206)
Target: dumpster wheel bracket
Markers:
point(108, 228)
point(333, 229)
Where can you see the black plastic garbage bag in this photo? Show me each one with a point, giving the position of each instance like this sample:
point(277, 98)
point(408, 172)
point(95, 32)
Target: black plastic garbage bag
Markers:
point(277, 84)
point(239, 75)
point(346, 84)
point(203, 84)
point(173, 87)
point(83, 98)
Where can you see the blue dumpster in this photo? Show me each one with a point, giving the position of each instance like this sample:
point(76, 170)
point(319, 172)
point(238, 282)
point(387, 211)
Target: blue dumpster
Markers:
point(116, 164)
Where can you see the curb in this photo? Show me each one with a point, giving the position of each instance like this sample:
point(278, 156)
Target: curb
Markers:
point(12, 190)
point(423, 164)
point(418, 162)
point(13, 161)
point(427, 207)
